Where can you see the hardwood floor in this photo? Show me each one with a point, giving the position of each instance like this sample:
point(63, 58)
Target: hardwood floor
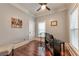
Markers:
point(30, 49)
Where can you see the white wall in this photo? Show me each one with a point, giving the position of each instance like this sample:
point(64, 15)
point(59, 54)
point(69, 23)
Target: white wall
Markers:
point(8, 34)
point(60, 31)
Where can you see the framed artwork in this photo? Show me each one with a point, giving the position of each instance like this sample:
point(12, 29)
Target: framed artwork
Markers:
point(53, 23)
point(16, 23)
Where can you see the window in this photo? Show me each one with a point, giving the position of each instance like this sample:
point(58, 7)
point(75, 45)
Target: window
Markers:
point(41, 29)
point(74, 28)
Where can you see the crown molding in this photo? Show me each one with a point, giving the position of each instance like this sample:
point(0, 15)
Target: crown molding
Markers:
point(53, 11)
point(22, 9)
point(72, 7)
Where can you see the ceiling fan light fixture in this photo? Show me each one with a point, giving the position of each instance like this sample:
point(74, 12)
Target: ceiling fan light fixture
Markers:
point(43, 7)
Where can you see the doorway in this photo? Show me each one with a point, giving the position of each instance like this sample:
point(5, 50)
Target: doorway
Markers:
point(41, 29)
point(31, 29)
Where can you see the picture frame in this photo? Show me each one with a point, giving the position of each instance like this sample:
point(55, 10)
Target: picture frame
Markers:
point(54, 23)
point(16, 23)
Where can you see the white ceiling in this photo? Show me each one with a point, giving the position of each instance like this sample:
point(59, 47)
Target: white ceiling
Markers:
point(32, 7)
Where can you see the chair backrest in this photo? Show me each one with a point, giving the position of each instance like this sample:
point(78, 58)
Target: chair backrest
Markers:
point(48, 37)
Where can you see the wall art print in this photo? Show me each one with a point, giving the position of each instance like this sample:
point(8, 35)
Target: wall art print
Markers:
point(16, 23)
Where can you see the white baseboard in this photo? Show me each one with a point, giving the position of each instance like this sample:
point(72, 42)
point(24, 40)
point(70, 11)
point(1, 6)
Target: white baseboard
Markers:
point(9, 47)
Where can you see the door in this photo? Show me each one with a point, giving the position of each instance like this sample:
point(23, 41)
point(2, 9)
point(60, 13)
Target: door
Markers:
point(31, 29)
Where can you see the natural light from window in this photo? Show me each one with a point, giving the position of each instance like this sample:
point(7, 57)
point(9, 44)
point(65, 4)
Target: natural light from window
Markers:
point(74, 28)
point(41, 29)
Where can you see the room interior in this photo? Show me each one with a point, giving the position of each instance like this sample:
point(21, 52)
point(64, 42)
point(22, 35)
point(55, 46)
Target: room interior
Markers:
point(39, 29)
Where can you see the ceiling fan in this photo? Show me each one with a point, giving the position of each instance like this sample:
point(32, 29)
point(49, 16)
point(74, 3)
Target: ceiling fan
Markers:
point(43, 6)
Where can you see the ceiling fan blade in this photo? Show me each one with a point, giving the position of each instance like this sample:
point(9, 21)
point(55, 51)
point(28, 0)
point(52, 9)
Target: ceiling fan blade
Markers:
point(43, 3)
point(38, 9)
point(47, 8)
point(40, 3)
